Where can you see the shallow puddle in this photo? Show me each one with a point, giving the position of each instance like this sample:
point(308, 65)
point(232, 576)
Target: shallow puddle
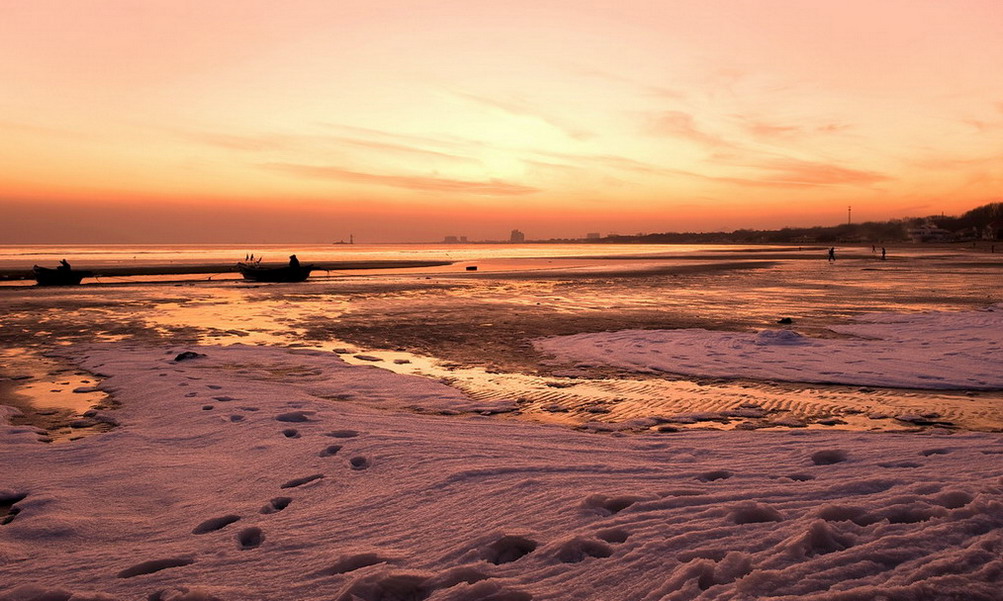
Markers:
point(51, 394)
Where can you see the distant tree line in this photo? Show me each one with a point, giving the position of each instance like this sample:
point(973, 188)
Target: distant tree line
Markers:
point(984, 221)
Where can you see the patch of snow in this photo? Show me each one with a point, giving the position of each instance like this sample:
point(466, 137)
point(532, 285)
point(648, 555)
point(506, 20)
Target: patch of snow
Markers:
point(934, 350)
point(177, 504)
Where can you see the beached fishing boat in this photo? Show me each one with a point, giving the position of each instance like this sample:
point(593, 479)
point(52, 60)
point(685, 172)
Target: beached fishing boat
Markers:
point(59, 277)
point(288, 273)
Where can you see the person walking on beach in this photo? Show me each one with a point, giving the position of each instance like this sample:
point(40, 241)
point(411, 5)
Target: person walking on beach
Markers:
point(882, 253)
point(832, 253)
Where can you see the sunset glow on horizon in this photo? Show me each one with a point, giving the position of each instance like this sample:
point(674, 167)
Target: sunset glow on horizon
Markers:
point(309, 120)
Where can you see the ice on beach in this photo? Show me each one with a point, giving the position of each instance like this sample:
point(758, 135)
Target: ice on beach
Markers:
point(935, 350)
point(331, 487)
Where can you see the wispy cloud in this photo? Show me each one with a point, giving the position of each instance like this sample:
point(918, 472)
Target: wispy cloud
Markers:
point(306, 143)
point(615, 162)
point(934, 160)
point(762, 129)
point(493, 187)
point(400, 149)
point(765, 129)
point(979, 125)
point(523, 109)
point(417, 141)
point(787, 173)
point(243, 143)
point(679, 124)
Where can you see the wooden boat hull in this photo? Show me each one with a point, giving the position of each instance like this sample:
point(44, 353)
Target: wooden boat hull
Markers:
point(59, 277)
point(255, 273)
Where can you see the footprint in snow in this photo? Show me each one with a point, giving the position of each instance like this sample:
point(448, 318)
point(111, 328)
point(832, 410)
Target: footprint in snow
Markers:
point(508, 548)
point(276, 505)
point(755, 513)
point(301, 481)
point(579, 548)
point(928, 452)
point(350, 563)
point(155, 565)
point(342, 434)
point(9, 508)
point(295, 416)
point(899, 464)
point(214, 524)
point(714, 475)
point(613, 535)
point(250, 538)
point(606, 505)
point(330, 450)
point(359, 462)
point(829, 457)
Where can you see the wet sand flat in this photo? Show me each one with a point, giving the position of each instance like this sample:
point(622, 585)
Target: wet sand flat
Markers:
point(477, 329)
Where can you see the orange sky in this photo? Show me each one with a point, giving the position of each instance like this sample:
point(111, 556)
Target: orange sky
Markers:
point(308, 120)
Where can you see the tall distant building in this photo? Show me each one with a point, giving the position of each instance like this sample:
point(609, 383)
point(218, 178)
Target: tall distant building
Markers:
point(517, 236)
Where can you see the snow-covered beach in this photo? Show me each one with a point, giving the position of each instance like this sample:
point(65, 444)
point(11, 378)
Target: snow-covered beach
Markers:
point(275, 468)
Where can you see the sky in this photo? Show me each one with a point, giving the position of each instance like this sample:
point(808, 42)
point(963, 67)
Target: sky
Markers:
point(148, 121)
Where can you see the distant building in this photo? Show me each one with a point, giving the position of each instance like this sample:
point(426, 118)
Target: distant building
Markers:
point(450, 240)
point(463, 239)
point(517, 236)
point(993, 231)
point(593, 236)
point(928, 232)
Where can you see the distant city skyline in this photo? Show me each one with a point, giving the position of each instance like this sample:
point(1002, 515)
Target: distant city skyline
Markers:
point(173, 121)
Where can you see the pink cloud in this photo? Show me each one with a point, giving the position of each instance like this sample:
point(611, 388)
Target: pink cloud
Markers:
point(491, 187)
point(786, 172)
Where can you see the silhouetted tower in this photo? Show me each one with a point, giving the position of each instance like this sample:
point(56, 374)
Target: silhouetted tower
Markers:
point(849, 210)
point(517, 236)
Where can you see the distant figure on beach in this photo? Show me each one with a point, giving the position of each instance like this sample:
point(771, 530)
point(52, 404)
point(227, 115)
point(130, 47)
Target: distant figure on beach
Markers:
point(883, 253)
point(64, 265)
point(294, 262)
point(832, 253)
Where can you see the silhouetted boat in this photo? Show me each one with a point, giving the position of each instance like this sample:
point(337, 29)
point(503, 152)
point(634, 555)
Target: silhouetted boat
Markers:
point(59, 277)
point(288, 273)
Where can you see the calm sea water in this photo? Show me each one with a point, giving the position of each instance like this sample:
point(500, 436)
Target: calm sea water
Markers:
point(94, 256)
